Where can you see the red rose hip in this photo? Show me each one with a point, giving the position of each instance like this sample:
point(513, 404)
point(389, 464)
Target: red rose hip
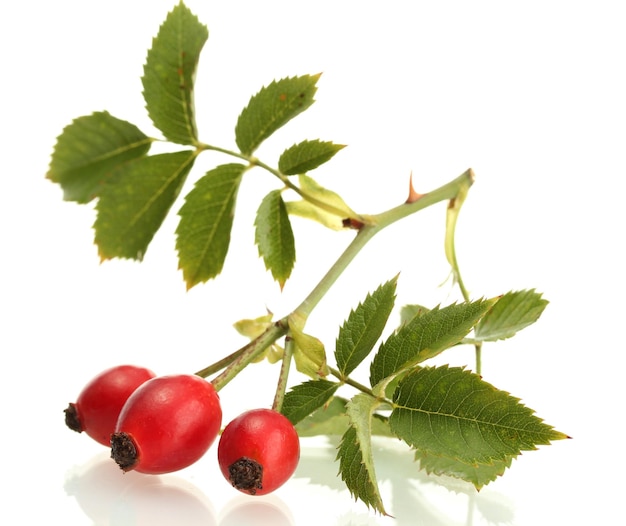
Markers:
point(99, 403)
point(258, 451)
point(167, 424)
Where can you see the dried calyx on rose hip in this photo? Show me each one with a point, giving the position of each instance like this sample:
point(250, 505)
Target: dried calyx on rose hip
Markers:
point(99, 403)
point(258, 451)
point(167, 424)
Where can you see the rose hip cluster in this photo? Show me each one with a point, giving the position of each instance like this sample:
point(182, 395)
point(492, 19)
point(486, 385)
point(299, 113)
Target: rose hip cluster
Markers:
point(159, 424)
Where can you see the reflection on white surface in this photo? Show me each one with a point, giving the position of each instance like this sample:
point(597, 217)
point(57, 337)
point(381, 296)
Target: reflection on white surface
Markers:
point(261, 511)
point(410, 495)
point(110, 498)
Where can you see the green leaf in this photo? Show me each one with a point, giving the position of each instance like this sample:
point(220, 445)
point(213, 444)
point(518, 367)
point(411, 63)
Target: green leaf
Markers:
point(206, 220)
point(451, 412)
point(309, 354)
point(425, 336)
point(169, 72)
point(452, 214)
point(356, 461)
point(512, 312)
point(306, 156)
point(408, 312)
point(88, 150)
point(274, 237)
point(325, 199)
point(332, 419)
point(135, 200)
point(306, 398)
point(308, 210)
point(252, 329)
point(271, 108)
point(362, 329)
point(477, 474)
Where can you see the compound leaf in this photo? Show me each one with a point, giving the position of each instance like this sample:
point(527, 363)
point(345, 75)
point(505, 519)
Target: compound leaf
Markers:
point(168, 75)
point(512, 312)
point(88, 150)
point(274, 237)
point(425, 336)
point(306, 156)
point(304, 399)
point(271, 108)
point(362, 329)
point(206, 220)
point(135, 200)
point(477, 474)
point(451, 412)
point(356, 461)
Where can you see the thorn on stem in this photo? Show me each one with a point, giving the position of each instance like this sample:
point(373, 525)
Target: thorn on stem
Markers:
point(413, 195)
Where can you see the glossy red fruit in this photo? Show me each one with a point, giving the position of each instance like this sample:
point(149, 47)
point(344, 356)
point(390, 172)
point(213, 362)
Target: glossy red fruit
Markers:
point(167, 424)
point(99, 403)
point(258, 451)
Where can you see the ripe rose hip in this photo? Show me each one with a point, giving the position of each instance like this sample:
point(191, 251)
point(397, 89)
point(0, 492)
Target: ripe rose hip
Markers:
point(99, 403)
point(166, 424)
point(258, 451)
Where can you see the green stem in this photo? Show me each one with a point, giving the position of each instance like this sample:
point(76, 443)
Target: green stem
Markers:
point(363, 236)
point(250, 351)
point(478, 357)
point(209, 147)
point(253, 161)
point(454, 209)
point(375, 224)
point(281, 388)
point(220, 364)
point(353, 383)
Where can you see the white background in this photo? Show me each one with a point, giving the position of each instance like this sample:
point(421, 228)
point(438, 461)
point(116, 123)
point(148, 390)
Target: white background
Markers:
point(530, 95)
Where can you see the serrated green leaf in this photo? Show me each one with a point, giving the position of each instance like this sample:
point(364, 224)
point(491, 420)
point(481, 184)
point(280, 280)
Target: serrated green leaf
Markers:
point(512, 312)
point(408, 312)
point(304, 399)
point(206, 220)
point(135, 200)
point(356, 461)
point(308, 210)
point(309, 354)
point(451, 412)
point(364, 326)
point(271, 108)
point(169, 75)
point(274, 237)
point(88, 150)
point(477, 474)
point(325, 199)
point(425, 336)
point(306, 156)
